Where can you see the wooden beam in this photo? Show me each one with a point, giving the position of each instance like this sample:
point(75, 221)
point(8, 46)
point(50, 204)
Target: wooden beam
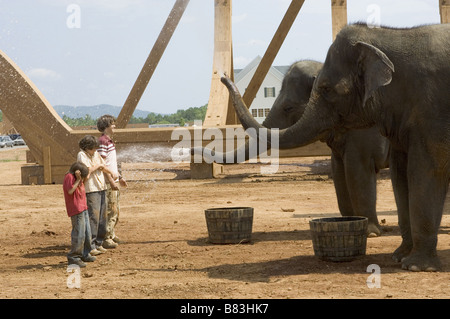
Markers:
point(232, 118)
point(338, 16)
point(46, 154)
point(219, 98)
point(31, 114)
point(152, 62)
point(272, 51)
point(444, 10)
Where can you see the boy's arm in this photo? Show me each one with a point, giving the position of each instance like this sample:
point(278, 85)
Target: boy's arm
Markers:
point(109, 173)
point(77, 182)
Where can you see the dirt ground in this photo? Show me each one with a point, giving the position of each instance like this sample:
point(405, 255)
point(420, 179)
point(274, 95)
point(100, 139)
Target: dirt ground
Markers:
point(166, 252)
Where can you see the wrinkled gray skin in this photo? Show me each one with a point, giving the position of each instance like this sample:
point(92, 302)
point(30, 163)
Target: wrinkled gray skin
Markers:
point(398, 80)
point(357, 155)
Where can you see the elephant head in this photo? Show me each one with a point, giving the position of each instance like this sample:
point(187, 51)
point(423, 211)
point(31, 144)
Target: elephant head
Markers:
point(294, 95)
point(287, 108)
point(341, 97)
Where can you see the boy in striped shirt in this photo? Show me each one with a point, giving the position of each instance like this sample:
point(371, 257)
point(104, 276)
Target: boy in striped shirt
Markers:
point(107, 150)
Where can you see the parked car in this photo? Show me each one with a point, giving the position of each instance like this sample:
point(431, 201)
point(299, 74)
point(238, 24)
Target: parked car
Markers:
point(14, 136)
point(6, 141)
point(19, 141)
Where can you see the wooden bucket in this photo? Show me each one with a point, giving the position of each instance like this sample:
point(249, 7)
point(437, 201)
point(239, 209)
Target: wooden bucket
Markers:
point(339, 238)
point(231, 225)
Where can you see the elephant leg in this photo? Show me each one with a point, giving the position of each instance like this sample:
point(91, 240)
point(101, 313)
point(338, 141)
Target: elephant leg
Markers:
point(362, 187)
point(340, 185)
point(427, 192)
point(398, 169)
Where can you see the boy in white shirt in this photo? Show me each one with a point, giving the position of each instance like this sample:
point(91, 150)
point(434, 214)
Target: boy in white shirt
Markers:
point(95, 190)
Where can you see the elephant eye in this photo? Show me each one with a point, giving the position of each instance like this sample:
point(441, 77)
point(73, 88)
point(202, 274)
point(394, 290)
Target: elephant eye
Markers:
point(327, 92)
point(326, 89)
point(288, 108)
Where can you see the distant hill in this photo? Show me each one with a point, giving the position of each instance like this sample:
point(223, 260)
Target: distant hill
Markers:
point(94, 111)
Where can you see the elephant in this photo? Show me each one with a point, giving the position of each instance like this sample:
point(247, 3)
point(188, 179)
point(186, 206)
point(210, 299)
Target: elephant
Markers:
point(398, 80)
point(357, 155)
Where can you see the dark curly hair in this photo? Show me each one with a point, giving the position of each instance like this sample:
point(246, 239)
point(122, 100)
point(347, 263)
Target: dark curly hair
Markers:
point(105, 121)
point(89, 142)
point(78, 166)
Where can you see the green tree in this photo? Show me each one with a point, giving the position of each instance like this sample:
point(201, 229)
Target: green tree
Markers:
point(180, 117)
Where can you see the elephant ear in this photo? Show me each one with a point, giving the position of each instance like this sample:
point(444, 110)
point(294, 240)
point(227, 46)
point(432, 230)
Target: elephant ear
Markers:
point(375, 67)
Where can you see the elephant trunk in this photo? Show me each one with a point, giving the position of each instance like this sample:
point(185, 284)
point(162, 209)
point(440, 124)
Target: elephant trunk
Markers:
point(311, 127)
point(235, 156)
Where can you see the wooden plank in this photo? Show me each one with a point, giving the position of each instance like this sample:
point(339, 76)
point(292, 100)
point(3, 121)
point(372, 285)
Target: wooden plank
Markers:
point(216, 113)
point(444, 10)
point(152, 62)
point(338, 16)
point(152, 137)
point(46, 154)
point(272, 51)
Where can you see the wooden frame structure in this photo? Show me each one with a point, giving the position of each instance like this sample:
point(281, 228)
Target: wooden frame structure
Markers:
point(53, 144)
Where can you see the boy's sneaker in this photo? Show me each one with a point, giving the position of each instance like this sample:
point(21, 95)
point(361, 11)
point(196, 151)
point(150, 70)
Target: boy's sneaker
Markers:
point(95, 252)
point(101, 250)
point(79, 263)
point(117, 240)
point(109, 243)
point(89, 259)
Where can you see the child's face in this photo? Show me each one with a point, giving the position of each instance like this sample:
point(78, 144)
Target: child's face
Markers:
point(91, 151)
point(110, 129)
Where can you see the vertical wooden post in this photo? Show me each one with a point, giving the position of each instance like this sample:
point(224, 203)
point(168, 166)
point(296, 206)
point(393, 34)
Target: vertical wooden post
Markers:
point(151, 63)
point(272, 51)
point(444, 10)
point(217, 111)
point(338, 15)
point(46, 155)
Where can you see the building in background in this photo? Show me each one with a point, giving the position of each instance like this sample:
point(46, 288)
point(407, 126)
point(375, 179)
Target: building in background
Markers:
point(268, 91)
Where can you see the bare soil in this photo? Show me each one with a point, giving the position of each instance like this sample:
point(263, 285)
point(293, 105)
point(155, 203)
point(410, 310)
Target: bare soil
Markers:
point(166, 252)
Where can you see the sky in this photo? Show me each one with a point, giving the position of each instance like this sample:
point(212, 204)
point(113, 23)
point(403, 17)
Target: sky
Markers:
point(90, 52)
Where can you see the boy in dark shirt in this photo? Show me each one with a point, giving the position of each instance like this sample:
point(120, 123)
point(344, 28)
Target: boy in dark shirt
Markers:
point(77, 210)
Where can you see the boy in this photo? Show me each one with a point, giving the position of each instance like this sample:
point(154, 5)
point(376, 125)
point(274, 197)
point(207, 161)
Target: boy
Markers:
point(107, 150)
point(95, 190)
point(77, 210)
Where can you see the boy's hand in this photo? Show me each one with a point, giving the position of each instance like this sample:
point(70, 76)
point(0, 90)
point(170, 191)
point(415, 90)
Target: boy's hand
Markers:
point(114, 186)
point(123, 182)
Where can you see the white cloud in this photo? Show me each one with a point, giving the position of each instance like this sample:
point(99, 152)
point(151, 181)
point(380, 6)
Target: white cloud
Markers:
point(41, 73)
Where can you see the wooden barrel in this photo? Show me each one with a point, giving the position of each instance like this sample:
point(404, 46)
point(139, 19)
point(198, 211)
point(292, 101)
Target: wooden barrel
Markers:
point(339, 238)
point(230, 225)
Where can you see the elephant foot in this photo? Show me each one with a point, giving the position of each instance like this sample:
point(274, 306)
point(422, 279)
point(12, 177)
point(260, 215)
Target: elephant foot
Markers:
point(421, 262)
point(402, 252)
point(373, 230)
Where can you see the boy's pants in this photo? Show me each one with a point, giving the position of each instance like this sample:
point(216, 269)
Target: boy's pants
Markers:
point(96, 202)
point(80, 237)
point(112, 211)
